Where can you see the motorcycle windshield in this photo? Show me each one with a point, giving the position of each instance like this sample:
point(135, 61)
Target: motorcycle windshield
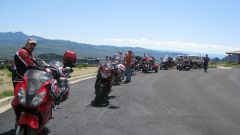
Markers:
point(165, 58)
point(35, 79)
point(116, 57)
point(55, 64)
point(107, 66)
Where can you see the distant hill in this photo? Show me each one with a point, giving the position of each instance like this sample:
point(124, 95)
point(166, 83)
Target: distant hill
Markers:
point(10, 42)
point(234, 58)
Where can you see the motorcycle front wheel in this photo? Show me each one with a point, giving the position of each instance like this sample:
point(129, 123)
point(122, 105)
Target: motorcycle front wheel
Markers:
point(99, 95)
point(25, 130)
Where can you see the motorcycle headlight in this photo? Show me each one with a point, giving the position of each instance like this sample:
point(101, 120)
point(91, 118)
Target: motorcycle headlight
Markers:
point(22, 96)
point(38, 99)
point(104, 75)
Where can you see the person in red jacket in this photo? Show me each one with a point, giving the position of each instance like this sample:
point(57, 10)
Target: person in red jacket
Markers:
point(24, 60)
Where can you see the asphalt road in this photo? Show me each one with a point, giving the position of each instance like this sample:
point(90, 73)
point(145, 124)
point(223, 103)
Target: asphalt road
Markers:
point(165, 103)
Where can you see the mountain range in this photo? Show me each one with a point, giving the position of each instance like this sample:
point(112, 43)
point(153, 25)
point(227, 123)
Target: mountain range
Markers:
point(10, 42)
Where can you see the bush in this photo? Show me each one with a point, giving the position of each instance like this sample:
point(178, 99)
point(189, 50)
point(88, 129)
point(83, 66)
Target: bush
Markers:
point(2, 67)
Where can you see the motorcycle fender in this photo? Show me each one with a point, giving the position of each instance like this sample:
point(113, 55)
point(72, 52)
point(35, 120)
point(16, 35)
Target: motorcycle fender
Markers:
point(46, 107)
point(15, 102)
point(30, 120)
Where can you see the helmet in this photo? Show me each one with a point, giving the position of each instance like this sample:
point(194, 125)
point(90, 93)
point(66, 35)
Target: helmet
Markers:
point(122, 67)
point(59, 90)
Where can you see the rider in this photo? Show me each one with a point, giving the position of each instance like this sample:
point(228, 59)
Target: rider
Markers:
point(205, 63)
point(128, 61)
point(24, 60)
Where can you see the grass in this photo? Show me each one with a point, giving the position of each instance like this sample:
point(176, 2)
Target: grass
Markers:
point(6, 93)
point(223, 64)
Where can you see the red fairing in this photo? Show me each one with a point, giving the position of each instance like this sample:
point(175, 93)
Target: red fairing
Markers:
point(147, 59)
point(155, 65)
point(19, 85)
point(45, 98)
point(30, 120)
point(15, 102)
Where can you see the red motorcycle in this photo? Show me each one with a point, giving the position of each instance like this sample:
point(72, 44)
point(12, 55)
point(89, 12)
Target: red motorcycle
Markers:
point(149, 65)
point(103, 82)
point(36, 97)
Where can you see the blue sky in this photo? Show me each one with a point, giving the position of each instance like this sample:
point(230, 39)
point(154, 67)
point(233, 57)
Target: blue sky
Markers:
point(203, 26)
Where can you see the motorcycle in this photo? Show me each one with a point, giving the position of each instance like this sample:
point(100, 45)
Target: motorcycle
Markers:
point(149, 65)
point(119, 73)
point(103, 82)
point(166, 62)
point(138, 63)
point(163, 66)
point(36, 97)
point(184, 65)
point(119, 69)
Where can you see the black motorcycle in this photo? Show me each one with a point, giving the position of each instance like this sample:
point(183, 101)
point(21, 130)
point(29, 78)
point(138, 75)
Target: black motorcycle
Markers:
point(138, 63)
point(163, 66)
point(184, 65)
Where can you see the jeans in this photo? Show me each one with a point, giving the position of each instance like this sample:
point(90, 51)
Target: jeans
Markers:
point(128, 73)
point(205, 66)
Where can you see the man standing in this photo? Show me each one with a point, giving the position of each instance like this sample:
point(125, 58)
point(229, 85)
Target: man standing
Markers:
point(128, 61)
point(205, 63)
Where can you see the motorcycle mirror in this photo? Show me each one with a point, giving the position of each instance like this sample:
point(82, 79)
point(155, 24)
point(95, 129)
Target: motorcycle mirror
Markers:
point(69, 69)
point(97, 60)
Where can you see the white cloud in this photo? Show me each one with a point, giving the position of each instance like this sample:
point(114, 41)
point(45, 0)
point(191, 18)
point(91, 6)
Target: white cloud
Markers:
point(169, 45)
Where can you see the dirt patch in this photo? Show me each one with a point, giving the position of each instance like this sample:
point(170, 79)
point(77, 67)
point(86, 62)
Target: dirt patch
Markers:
point(84, 71)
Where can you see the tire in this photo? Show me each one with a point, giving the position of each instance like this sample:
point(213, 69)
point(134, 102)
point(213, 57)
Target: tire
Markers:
point(99, 95)
point(25, 130)
point(194, 65)
point(19, 130)
point(144, 70)
point(30, 131)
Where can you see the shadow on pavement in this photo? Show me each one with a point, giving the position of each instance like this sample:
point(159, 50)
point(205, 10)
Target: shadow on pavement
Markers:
point(113, 107)
point(10, 132)
point(104, 103)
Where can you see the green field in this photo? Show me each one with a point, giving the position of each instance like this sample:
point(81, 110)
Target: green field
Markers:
point(223, 64)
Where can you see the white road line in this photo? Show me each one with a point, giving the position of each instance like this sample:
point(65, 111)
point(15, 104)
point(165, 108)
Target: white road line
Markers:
point(72, 82)
point(5, 108)
point(225, 67)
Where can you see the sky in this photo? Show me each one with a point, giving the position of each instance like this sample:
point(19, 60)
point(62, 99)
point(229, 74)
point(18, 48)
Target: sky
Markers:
point(202, 26)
